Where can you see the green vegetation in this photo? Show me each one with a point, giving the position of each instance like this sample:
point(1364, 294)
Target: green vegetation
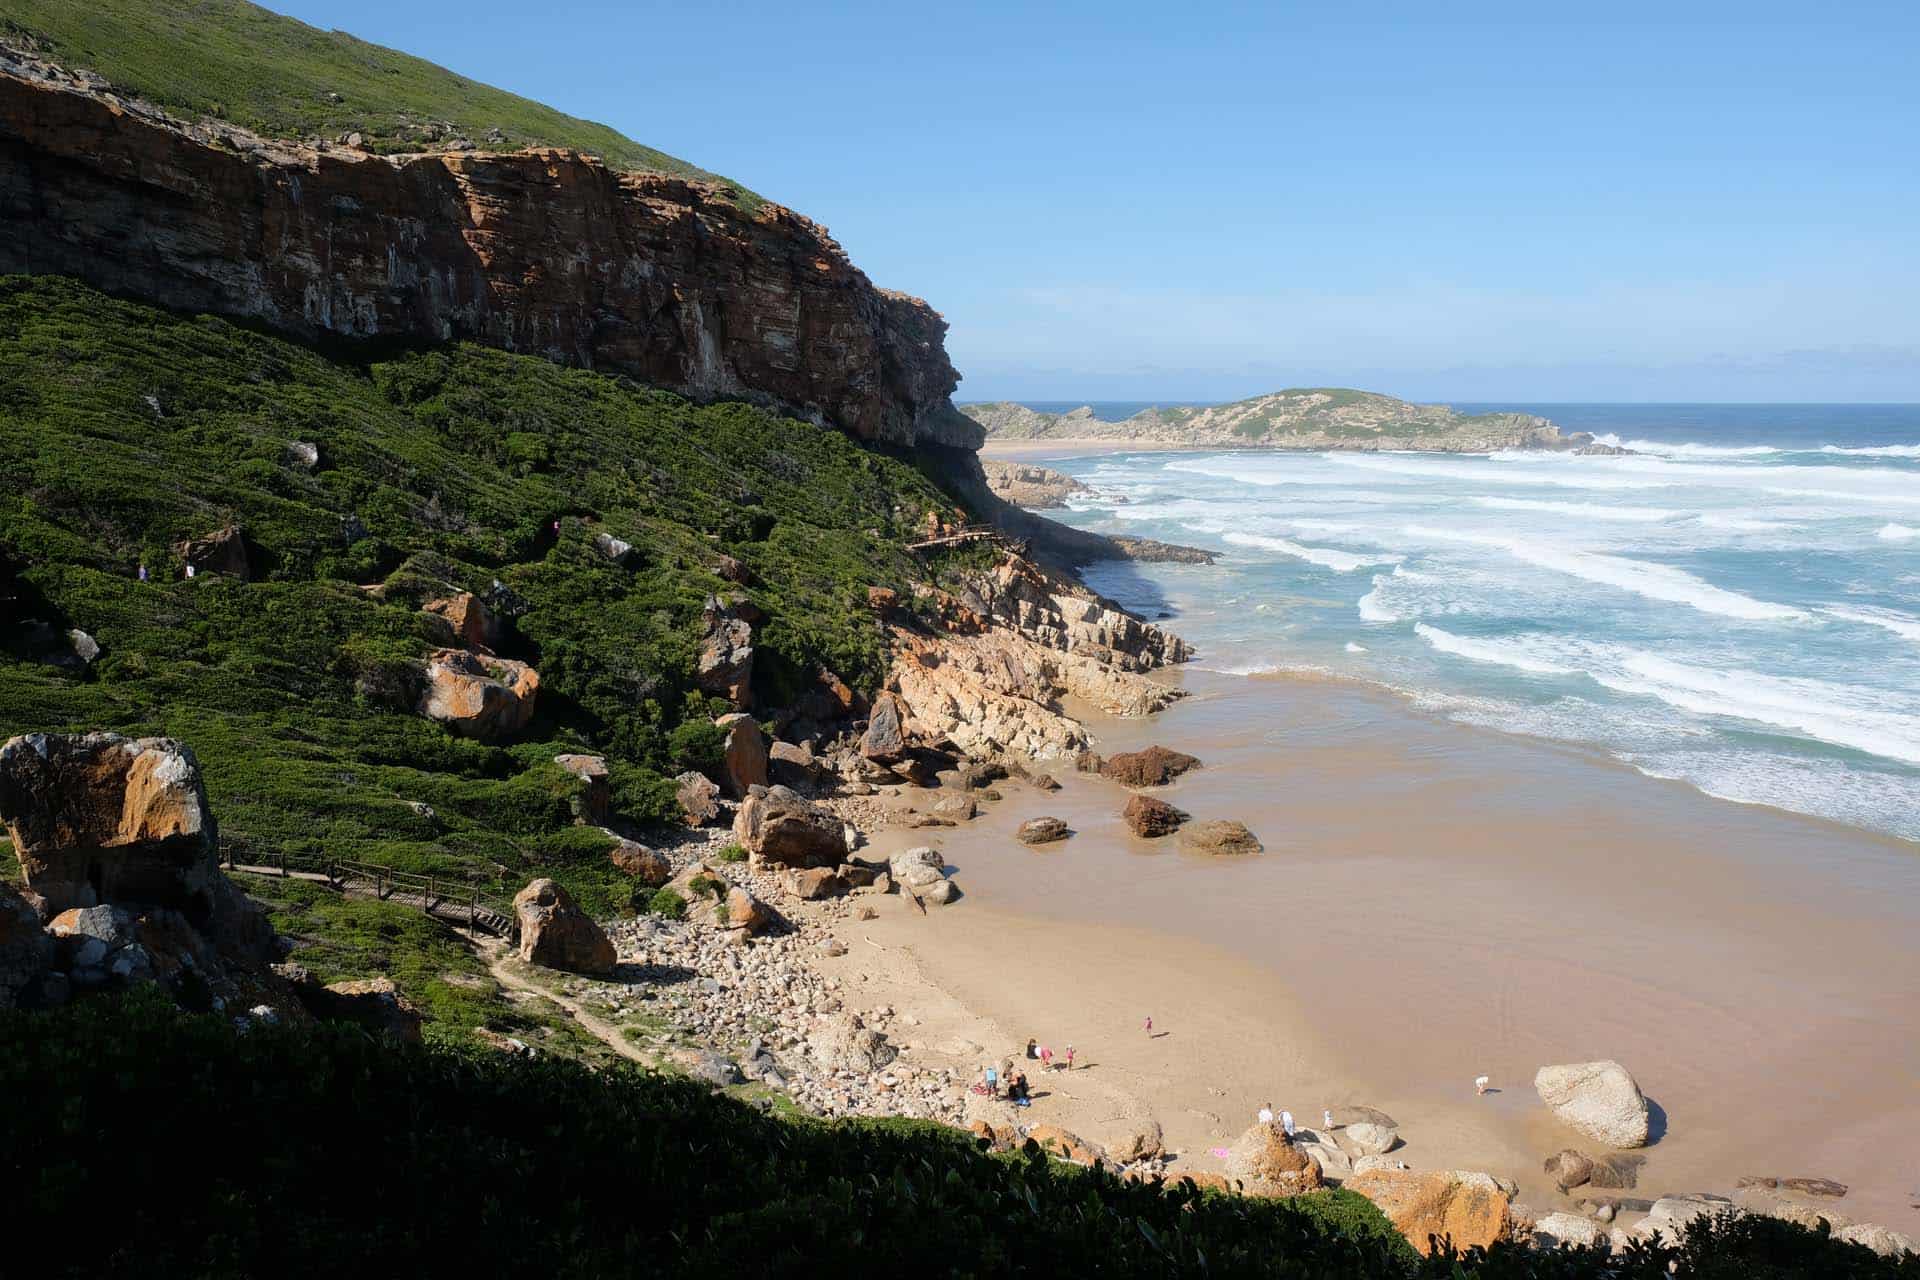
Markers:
point(668, 904)
point(329, 1152)
point(280, 77)
point(127, 429)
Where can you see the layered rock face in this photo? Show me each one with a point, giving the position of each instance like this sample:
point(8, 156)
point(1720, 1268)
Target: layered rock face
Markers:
point(544, 252)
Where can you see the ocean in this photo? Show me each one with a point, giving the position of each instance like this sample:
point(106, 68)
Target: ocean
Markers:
point(1736, 606)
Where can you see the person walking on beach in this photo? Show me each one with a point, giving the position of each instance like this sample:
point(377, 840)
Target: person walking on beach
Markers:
point(1266, 1114)
point(1069, 1065)
point(1480, 1084)
point(1046, 1058)
point(1326, 1120)
point(1149, 1024)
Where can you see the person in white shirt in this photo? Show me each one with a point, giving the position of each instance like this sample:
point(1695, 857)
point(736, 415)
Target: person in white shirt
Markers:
point(1266, 1114)
point(1286, 1123)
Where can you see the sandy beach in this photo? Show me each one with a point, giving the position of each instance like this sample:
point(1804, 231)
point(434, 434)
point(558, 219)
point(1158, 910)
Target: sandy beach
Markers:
point(1435, 902)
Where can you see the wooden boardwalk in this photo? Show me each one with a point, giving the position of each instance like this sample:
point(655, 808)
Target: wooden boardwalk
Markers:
point(972, 533)
point(456, 902)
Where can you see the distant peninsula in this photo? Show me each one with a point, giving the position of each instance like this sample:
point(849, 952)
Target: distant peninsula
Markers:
point(1299, 418)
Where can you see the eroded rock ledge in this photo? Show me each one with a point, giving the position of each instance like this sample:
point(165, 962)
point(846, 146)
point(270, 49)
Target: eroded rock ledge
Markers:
point(544, 251)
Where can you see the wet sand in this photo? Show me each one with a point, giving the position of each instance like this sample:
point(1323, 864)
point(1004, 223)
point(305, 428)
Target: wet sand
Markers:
point(1437, 902)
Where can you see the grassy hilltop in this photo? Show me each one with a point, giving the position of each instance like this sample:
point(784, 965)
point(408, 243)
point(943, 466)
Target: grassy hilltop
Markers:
point(280, 77)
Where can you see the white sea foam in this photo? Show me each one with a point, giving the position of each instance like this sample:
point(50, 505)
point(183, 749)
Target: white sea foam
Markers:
point(1325, 557)
point(1654, 581)
point(1582, 510)
point(1498, 652)
point(1664, 449)
point(1903, 625)
point(1355, 648)
point(1898, 532)
point(1842, 715)
point(1370, 606)
point(1877, 451)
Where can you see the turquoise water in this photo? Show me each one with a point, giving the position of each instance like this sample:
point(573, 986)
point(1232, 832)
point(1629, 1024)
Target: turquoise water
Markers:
point(1737, 606)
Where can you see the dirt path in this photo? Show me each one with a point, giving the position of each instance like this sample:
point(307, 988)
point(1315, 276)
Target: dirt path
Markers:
point(599, 1028)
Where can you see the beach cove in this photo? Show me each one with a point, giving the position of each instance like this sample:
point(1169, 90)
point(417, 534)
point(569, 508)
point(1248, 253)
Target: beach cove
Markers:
point(1436, 902)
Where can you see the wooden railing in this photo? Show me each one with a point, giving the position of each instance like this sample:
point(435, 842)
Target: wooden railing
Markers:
point(971, 533)
point(444, 898)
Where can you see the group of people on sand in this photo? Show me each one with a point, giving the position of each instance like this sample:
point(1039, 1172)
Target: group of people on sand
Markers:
point(1010, 1082)
point(994, 1079)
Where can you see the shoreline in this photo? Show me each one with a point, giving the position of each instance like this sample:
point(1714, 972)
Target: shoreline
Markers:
point(1020, 957)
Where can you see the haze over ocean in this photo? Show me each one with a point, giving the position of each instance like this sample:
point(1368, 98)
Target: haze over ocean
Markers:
point(1737, 605)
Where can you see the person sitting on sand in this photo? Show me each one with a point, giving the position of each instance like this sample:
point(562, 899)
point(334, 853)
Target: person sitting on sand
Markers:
point(1020, 1094)
point(1032, 1048)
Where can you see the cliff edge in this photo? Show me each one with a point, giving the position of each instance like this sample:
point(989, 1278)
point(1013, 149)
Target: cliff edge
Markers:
point(543, 251)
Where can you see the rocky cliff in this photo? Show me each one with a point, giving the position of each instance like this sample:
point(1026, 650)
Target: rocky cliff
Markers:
point(543, 251)
point(1309, 418)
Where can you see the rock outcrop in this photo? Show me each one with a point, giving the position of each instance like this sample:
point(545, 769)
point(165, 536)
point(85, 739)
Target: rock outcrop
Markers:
point(725, 662)
point(648, 866)
point(1600, 1099)
point(1270, 1164)
point(478, 697)
point(596, 794)
point(698, 797)
point(556, 934)
point(1042, 831)
point(1150, 817)
point(223, 552)
point(100, 818)
point(1468, 1208)
point(1025, 485)
point(745, 753)
point(464, 622)
point(675, 282)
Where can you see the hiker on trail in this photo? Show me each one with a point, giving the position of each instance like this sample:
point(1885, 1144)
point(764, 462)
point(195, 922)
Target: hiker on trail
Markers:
point(1266, 1114)
point(143, 573)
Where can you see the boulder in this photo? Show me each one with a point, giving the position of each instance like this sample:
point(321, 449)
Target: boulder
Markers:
point(1370, 1164)
point(478, 697)
point(698, 797)
point(885, 740)
point(1670, 1216)
point(1218, 838)
point(813, 883)
point(1043, 782)
point(776, 826)
point(1370, 1138)
point(1325, 1152)
point(1154, 767)
point(465, 622)
point(852, 1044)
point(649, 866)
point(596, 796)
point(373, 1003)
point(881, 599)
point(100, 818)
point(1885, 1242)
point(1150, 817)
point(556, 934)
point(744, 911)
point(1263, 1158)
point(1599, 1099)
point(615, 549)
point(745, 754)
point(1137, 1140)
point(832, 947)
point(997, 1138)
point(713, 1068)
point(1557, 1229)
point(939, 893)
point(25, 949)
point(725, 662)
point(1042, 831)
point(1468, 1208)
point(1615, 1171)
point(1805, 1186)
point(1569, 1169)
point(1056, 1141)
point(955, 808)
point(917, 868)
point(222, 552)
point(792, 764)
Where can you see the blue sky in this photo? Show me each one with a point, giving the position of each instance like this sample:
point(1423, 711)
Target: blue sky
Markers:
point(1204, 201)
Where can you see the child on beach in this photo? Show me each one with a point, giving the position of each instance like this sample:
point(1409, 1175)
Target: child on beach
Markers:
point(993, 1082)
point(1046, 1058)
point(1069, 1065)
point(1149, 1024)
